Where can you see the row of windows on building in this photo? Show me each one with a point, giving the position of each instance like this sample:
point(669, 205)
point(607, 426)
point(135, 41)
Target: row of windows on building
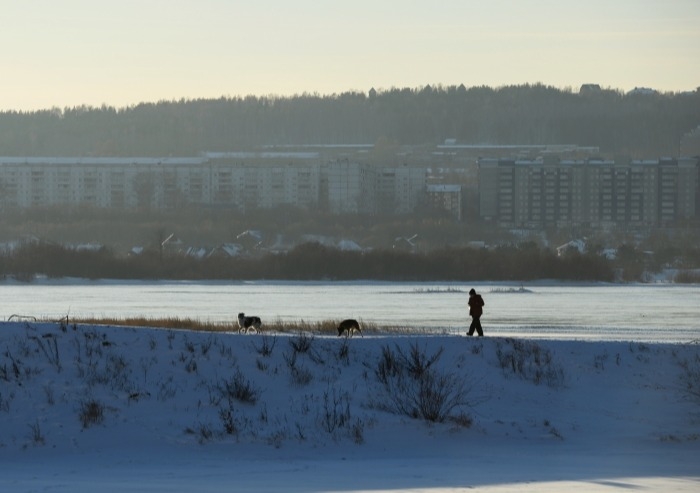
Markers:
point(532, 193)
point(597, 193)
point(339, 186)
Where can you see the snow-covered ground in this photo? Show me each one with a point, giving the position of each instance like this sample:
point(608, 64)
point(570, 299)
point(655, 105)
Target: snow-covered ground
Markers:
point(85, 409)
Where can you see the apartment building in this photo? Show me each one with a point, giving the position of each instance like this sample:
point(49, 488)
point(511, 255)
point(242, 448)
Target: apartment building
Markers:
point(350, 187)
point(240, 180)
point(400, 188)
point(99, 182)
point(263, 180)
point(599, 193)
point(446, 197)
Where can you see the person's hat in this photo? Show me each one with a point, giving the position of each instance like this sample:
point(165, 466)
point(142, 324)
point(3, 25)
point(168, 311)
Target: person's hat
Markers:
point(471, 291)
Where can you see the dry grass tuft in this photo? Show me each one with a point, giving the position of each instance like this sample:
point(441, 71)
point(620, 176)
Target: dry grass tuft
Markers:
point(165, 323)
point(324, 327)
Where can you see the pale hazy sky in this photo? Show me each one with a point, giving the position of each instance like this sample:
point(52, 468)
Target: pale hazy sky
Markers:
point(63, 53)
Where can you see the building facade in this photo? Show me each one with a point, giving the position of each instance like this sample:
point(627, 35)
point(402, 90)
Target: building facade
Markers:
point(531, 193)
point(447, 198)
point(595, 192)
point(240, 180)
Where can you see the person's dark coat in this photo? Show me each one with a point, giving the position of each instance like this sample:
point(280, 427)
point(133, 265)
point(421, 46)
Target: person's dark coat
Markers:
point(476, 304)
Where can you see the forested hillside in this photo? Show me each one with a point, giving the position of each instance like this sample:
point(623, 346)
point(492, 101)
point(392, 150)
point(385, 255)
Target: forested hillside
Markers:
point(638, 124)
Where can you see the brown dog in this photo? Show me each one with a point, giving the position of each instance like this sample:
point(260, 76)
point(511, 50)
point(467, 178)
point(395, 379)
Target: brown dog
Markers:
point(349, 326)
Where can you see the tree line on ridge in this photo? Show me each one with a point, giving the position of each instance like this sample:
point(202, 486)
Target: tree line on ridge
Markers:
point(639, 125)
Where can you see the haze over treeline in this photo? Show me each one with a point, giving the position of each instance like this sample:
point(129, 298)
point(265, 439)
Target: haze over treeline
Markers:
point(634, 124)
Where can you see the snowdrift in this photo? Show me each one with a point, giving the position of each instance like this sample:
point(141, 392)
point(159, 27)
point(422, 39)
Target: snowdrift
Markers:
point(121, 407)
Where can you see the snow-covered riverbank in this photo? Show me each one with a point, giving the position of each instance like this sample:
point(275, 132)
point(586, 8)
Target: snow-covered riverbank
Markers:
point(88, 408)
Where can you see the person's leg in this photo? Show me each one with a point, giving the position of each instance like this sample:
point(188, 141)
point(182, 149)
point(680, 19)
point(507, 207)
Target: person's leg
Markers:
point(477, 324)
point(472, 327)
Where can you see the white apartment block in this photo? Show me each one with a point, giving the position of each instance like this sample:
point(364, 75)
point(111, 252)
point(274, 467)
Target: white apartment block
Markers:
point(99, 182)
point(400, 188)
point(240, 180)
point(350, 187)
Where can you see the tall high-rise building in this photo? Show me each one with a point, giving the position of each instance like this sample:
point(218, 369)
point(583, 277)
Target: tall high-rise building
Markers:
point(598, 193)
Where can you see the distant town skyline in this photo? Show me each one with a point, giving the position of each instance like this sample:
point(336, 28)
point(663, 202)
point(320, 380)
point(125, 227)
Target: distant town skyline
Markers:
point(80, 52)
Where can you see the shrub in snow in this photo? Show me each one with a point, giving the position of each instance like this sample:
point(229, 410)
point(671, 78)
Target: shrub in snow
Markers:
point(191, 363)
point(343, 353)
point(463, 420)
point(301, 343)
point(226, 416)
point(239, 388)
point(417, 362)
point(13, 372)
point(5, 403)
point(36, 436)
point(414, 387)
point(111, 370)
point(529, 361)
point(690, 378)
point(335, 412)
point(49, 347)
point(91, 413)
point(167, 389)
point(300, 375)
point(357, 432)
point(267, 344)
point(203, 432)
point(48, 391)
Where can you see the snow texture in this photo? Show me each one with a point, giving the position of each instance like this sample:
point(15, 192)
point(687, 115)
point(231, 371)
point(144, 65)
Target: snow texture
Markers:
point(98, 408)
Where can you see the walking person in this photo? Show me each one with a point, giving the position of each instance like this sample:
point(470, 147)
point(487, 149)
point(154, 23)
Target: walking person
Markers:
point(476, 308)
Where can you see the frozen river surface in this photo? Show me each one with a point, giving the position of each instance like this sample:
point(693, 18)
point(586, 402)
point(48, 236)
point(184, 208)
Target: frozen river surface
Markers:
point(639, 312)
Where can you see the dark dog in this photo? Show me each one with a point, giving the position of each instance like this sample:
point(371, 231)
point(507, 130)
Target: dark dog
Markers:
point(246, 324)
point(349, 326)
